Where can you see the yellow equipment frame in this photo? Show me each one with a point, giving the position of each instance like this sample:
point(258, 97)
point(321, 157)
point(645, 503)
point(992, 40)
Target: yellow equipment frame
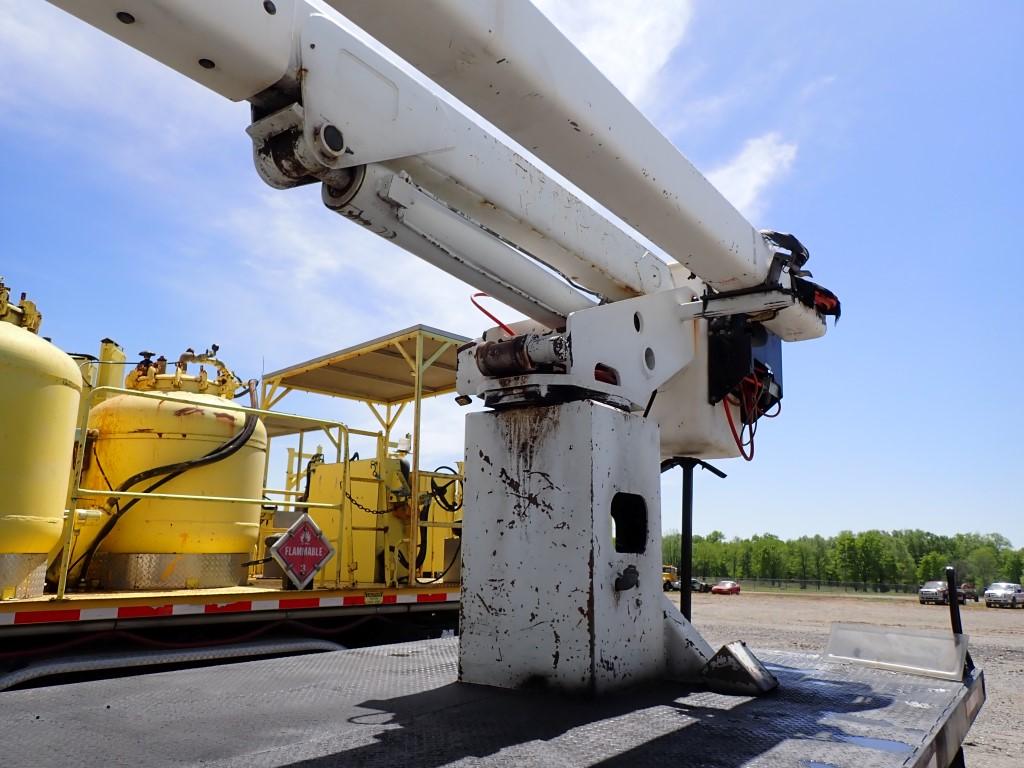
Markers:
point(386, 374)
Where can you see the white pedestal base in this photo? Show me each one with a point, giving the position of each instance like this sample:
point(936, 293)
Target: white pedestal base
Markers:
point(547, 489)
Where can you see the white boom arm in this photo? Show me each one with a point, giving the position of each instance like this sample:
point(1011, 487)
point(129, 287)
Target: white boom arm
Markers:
point(513, 66)
point(310, 79)
point(380, 115)
point(509, 63)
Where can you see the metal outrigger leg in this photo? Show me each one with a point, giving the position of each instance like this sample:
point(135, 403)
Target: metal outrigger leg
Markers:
point(686, 527)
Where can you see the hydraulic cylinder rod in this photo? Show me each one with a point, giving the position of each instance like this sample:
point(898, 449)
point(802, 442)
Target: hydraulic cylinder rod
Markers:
point(394, 209)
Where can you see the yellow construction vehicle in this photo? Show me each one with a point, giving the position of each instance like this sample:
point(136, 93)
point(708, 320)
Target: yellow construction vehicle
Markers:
point(669, 578)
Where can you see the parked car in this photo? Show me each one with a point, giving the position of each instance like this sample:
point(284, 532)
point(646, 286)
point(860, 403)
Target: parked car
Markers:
point(967, 591)
point(937, 592)
point(726, 588)
point(696, 585)
point(1003, 594)
point(934, 592)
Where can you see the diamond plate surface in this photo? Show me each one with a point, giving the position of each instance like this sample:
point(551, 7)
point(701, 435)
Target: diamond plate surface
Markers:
point(400, 705)
point(168, 571)
point(22, 576)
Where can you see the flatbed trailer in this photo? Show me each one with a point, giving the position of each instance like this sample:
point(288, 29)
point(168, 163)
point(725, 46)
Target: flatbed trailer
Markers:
point(98, 611)
point(402, 704)
point(43, 640)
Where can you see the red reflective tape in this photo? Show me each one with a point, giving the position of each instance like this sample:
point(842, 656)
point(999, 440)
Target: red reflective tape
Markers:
point(301, 602)
point(43, 617)
point(389, 599)
point(353, 600)
point(144, 611)
point(438, 597)
point(240, 607)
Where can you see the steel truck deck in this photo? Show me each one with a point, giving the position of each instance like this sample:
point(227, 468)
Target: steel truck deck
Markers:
point(402, 705)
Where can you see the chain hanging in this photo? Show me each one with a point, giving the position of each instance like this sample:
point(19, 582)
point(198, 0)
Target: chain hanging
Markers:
point(364, 508)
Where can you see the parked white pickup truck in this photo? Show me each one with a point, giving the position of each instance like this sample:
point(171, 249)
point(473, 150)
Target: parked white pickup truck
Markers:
point(1004, 593)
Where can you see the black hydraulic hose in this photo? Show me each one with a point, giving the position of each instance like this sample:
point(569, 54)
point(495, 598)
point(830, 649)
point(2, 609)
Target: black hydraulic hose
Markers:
point(437, 493)
point(455, 559)
point(316, 458)
point(170, 472)
point(209, 458)
point(438, 490)
point(421, 555)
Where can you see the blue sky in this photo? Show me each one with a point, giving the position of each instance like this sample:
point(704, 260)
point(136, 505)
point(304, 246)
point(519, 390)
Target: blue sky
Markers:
point(886, 136)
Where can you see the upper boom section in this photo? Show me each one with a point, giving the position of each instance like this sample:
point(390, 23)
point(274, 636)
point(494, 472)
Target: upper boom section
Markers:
point(505, 60)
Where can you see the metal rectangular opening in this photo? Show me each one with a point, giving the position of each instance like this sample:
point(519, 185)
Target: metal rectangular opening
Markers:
point(629, 523)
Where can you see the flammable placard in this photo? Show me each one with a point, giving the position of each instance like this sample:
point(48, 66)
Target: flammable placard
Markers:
point(302, 551)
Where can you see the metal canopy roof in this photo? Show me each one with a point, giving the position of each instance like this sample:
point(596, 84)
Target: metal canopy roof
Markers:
point(377, 371)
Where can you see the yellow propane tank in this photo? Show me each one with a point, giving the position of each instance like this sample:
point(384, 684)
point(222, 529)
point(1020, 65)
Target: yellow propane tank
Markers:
point(160, 543)
point(40, 388)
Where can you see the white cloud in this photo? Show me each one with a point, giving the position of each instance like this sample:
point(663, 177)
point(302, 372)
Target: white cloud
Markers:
point(306, 281)
point(814, 87)
point(745, 179)
point(630, 41)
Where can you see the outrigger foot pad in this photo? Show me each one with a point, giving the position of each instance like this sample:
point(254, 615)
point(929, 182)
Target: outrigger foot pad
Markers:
point(736, 670)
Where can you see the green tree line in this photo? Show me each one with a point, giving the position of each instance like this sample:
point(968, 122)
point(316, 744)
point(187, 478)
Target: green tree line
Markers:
point(873, 560)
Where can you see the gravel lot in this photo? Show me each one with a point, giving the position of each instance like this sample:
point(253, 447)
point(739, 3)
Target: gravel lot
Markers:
point(797, 622)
